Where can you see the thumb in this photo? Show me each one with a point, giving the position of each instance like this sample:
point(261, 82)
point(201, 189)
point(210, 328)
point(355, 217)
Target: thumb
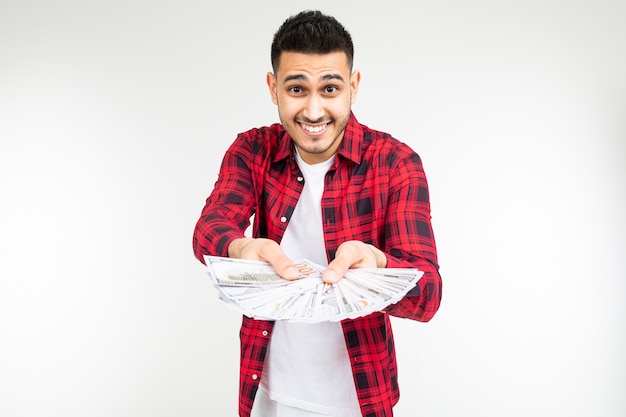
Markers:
point(286, 269)
point(334, 272)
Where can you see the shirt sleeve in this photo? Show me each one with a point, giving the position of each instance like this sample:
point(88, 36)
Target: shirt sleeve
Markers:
point(410, 242)
point(226, 214)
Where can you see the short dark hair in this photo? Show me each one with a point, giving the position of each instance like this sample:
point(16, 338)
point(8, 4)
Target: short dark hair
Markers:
point(311, 32)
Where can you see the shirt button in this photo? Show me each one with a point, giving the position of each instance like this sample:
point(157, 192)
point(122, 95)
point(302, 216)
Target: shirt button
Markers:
point(265, 333)
point(255, 376)
point(300, 179)
point(283, 219)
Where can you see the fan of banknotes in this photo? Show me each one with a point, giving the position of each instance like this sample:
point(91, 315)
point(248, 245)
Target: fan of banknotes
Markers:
point(256, 290)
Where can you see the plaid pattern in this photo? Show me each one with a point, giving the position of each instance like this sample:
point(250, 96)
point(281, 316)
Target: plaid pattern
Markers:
point(375, 192)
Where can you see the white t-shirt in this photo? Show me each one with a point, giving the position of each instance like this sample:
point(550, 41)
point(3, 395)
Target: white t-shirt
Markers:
point(308, 364)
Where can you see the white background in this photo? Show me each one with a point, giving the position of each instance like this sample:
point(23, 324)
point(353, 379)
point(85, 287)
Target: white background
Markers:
point(114, 116)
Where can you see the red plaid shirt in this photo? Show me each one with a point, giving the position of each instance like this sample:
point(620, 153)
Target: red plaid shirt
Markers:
point(375, 192)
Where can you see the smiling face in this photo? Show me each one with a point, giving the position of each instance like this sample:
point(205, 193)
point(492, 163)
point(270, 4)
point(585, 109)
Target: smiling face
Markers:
point(314, 94)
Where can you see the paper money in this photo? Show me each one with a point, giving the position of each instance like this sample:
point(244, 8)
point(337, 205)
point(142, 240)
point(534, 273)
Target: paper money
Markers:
point(256, 290)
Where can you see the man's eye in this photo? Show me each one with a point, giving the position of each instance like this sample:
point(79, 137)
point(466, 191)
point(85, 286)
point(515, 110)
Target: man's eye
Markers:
point(296, 90)
point(330, 89)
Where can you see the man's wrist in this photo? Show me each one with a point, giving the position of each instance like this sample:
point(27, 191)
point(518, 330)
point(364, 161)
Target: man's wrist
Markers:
point(236, 246)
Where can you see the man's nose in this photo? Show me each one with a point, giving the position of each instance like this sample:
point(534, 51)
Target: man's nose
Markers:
point(314, 109)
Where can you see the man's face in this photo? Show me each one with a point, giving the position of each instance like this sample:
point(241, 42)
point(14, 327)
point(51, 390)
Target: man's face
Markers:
point(314, 94)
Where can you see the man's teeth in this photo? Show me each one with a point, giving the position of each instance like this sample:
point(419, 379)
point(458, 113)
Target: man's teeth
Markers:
point(313, 129)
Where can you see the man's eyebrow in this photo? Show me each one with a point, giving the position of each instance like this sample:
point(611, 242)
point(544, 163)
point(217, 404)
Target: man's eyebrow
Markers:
point(328, 77)
point(302, 77)
point(295, 77)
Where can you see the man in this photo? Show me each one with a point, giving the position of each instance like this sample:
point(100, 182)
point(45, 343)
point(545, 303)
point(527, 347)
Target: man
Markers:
point(324, 187)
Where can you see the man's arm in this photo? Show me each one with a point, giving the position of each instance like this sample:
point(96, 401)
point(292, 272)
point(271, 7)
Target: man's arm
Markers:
point(226, 214)
point(420, 304)
point(408, 243)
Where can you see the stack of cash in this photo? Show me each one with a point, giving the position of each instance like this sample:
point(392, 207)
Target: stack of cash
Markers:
point(256, 290)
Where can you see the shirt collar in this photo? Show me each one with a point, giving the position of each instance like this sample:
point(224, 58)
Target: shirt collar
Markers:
point(350, 147)
point(285, 147)
point(352, 141)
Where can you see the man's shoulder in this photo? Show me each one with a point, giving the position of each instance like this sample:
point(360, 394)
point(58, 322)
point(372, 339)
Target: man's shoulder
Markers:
point(380, 141)
point(273, 131)
point(260, 141)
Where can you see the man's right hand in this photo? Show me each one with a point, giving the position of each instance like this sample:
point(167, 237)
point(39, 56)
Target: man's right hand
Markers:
point(266, 250)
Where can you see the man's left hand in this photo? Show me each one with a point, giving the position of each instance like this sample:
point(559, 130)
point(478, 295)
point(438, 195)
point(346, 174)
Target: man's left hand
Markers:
point(353, 254)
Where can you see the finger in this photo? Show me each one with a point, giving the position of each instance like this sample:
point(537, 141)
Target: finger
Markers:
point(338, 267)
point(283, 266)
point(349, 254)
point(331, 275)
point(286, 269)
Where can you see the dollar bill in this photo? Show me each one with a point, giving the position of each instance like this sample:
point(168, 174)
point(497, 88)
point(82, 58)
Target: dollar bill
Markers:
point(256, 290)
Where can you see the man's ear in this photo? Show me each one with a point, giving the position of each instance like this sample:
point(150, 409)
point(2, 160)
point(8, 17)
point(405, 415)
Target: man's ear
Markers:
point(355, 80)
point(270, 78)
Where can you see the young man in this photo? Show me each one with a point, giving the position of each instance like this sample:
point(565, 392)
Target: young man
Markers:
point(323, 187)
